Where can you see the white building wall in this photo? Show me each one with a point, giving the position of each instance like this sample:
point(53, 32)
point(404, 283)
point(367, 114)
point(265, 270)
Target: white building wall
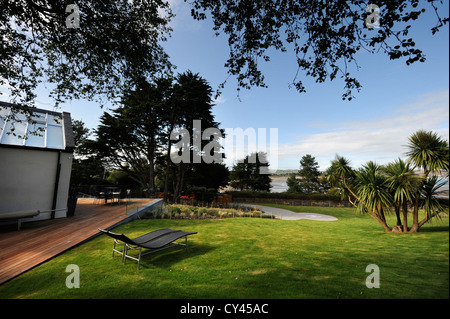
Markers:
point(27, 180)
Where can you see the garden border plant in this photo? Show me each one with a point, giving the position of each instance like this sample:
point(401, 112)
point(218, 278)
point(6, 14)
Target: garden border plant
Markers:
point(182, 211)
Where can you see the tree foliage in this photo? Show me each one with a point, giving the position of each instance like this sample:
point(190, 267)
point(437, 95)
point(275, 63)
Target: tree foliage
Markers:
point(250, 173)
point(325, 36)
point(404, 185)
point(373, 194)
point(192, 97)
point(116, 44)
point(87, 169)
point(429, 152)
point(130, 137)
point(308, 181)
point(137, 136)
point(342, 177)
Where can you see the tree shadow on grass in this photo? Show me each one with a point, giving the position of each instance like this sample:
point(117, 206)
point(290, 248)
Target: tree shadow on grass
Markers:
point(434, 229)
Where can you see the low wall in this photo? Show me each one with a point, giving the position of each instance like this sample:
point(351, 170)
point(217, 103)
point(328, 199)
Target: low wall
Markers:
point(293, 202)
point(141, 211)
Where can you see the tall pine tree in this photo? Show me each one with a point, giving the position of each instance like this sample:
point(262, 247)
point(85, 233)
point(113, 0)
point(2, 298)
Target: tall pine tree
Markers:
point(308, 181)
point(248, 174)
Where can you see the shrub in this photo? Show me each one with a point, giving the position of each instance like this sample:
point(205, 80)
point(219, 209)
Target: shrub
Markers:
point(191, 212)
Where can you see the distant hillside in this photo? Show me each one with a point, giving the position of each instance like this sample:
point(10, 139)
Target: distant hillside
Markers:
point(285, 172)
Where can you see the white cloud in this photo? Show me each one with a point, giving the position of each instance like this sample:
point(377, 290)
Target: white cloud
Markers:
point(219, 100)
point(381, 139)
point(183, 19)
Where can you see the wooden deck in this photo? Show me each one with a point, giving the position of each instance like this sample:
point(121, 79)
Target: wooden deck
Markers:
point(40, 241)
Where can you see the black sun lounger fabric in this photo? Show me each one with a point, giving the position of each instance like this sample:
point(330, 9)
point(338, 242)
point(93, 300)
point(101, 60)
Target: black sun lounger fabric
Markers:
point(153, 235)
point(165, 239)
point(117, 236)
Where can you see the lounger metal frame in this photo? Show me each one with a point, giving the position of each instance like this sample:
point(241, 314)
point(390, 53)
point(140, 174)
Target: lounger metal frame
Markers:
point(121, 252)
point(138, 258)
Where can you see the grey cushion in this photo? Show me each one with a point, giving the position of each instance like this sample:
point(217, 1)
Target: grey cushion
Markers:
point(19, 214)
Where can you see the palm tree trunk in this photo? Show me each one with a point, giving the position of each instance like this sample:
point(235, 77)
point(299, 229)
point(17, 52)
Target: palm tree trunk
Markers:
point(415, 226)
point(397, 214)
point(405, 216)
point(350, 201)
point(348, 188)
point(426, 219)
point(382, 222)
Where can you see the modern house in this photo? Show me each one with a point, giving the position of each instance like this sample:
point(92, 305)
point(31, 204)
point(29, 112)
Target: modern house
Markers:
point(36, 152)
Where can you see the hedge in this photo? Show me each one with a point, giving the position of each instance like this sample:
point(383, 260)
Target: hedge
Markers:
point(285, 195)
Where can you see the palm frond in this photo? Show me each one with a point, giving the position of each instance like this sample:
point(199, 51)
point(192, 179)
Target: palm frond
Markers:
point(433, 201)
point(428, 151)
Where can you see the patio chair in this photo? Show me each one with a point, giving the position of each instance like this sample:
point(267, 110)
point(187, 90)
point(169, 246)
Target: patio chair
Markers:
point(99, 198)
point(154, 241)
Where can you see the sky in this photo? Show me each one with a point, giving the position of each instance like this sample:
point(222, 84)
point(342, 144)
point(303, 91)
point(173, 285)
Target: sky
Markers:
point(395, 101)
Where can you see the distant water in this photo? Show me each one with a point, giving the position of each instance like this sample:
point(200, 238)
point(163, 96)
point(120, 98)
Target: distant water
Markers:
point(279, 184)
point(445, 187)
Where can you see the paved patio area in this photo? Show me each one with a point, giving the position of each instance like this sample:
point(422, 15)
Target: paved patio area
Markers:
point(40, 241)
point(290, 215)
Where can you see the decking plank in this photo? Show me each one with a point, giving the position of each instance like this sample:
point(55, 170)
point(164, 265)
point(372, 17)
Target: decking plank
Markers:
point(40, 241)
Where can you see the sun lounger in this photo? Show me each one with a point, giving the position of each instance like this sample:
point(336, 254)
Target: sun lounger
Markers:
point(154, 241)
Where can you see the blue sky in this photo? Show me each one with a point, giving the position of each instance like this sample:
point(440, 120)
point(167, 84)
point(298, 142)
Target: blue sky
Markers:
point(395, 100)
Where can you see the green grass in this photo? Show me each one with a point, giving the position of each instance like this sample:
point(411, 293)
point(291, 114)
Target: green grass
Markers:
point(256, 258)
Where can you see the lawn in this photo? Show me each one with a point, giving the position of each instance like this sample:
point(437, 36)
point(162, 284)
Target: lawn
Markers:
point(255, 258)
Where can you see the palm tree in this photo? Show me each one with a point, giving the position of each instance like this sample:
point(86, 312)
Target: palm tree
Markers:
point(431, 153)
point(404, 185)
point(341, 175)
point(432, 201)
point(373, 193)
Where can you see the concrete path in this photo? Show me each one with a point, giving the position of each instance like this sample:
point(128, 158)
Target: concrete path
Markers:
point(290, 215)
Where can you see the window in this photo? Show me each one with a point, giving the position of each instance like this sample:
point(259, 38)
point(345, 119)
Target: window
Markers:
point(36, 139)
point(54, 136)
point(41, 130)
point(14, 131)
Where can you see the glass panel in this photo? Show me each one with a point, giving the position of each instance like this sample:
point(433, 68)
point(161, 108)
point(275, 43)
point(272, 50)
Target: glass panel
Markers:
point(38, 117)
point(21, 115)
point(54, 137)
point(54, 119)
point(19, 131)
point(2, 123)
point(4, 111)
point(33, 139)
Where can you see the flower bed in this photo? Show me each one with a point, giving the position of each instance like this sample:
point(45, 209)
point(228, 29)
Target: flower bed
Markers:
point(180, 211)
